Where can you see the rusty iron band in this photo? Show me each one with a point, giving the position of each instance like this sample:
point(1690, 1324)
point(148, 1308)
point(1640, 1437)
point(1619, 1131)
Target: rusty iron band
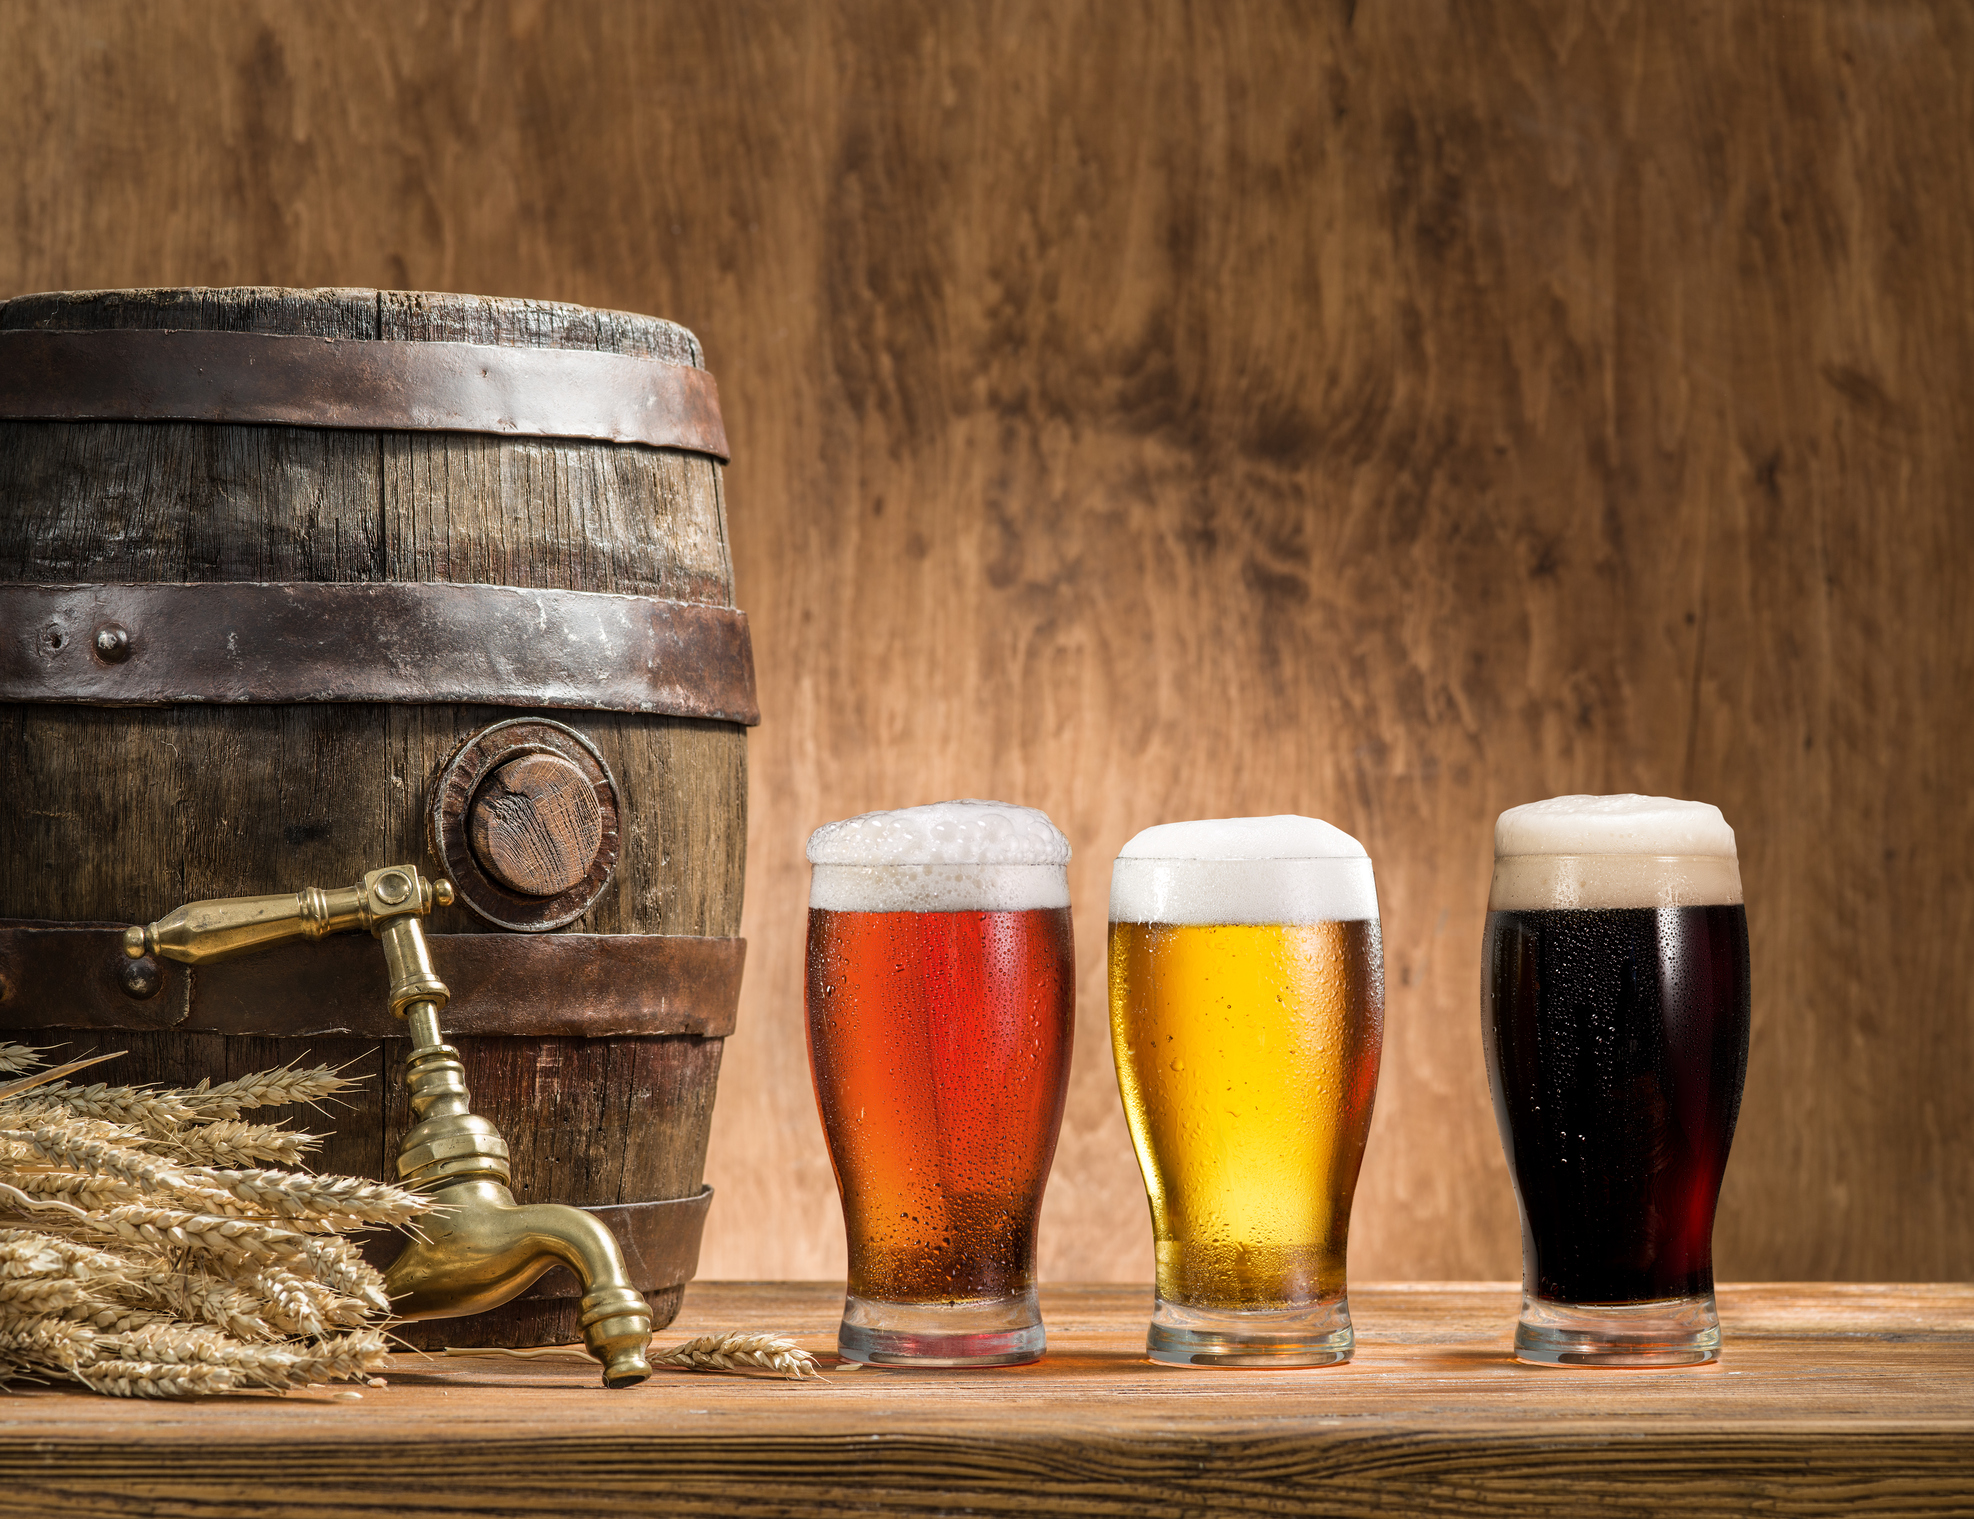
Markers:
point(586, 986)
point(134, 375)
point(238, 643)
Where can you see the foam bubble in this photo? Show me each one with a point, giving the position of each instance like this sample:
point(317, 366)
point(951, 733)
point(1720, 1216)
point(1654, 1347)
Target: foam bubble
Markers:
point(1613, 851)
point(1284, 869)
point(961, 856)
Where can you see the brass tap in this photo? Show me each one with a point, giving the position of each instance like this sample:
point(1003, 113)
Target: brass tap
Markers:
point(478, 1248)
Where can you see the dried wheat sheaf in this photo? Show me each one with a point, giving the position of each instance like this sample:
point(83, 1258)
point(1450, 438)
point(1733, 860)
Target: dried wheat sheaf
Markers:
point(145, 1252)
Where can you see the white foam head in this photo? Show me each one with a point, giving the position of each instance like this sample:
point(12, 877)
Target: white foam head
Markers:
point(963, 856)
point(1243, 870)
point(1613, 851)
point(1613, 825)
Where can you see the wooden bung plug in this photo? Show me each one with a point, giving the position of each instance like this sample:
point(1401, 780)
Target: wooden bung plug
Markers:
point(535, 825)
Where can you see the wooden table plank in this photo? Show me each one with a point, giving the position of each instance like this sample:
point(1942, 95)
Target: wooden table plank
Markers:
point(1829, 1399)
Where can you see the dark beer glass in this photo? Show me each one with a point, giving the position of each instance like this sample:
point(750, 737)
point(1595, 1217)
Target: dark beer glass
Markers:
point(941, 1005)
point(1615, 1020)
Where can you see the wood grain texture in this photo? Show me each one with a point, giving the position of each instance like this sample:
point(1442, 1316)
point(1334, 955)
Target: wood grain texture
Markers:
point(1392, 412)
point(1828, 1400)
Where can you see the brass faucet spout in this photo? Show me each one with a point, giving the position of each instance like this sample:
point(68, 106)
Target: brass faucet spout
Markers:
point(479, 1248)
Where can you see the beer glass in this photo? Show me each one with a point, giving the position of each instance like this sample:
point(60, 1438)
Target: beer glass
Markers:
point(941, 1004)
point(1247, 1018)
point(1615, 1020)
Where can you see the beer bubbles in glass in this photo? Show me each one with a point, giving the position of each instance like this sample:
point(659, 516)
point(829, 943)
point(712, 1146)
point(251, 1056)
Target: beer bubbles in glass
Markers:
point(1615, 1019)
point(941, 1004)
point(1247, 1018)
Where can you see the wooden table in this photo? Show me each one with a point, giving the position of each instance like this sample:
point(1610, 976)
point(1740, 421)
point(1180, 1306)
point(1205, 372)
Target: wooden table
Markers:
point(1829, 1400)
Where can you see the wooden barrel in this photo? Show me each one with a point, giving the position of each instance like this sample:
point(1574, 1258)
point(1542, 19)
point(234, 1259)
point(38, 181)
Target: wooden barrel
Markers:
point(297, 583)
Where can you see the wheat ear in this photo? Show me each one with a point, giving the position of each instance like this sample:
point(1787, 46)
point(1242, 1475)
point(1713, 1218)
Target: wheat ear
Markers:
point(303, 1305)
point(65, 1144)
point(144, 1254)
point(346, 1199)
point(231, 1239)
point(230, 1143)
point(263, 1089)
point(741, 1352)
point(30, 1252)
point(148, 1379)
point(140, 1107)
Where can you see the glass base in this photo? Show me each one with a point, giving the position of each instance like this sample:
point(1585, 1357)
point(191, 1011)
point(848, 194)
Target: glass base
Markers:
point(981, 1332)
point(1318, 1335)
point(1679, 1331)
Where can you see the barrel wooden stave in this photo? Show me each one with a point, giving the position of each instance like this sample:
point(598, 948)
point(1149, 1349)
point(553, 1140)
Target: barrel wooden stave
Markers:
point(167, 501)
point(121, 814)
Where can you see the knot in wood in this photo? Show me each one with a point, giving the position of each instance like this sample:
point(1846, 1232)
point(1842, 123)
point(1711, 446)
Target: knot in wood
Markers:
point(536, 826)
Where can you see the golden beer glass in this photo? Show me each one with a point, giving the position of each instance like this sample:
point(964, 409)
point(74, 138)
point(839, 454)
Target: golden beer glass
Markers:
point(1247, 1019)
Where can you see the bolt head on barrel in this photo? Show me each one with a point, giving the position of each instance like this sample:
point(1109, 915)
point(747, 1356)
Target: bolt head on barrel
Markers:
point(112, 643)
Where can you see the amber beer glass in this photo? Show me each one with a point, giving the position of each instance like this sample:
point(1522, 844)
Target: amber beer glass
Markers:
point(1615, 1020)
point(941, 1003)
point(1247, 1018)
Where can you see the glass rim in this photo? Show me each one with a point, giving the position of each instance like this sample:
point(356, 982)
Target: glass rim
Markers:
point(1266, 859)
point(932, 865)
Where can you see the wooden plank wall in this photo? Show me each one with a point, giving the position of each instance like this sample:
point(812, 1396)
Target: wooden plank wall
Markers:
point(1389, 411)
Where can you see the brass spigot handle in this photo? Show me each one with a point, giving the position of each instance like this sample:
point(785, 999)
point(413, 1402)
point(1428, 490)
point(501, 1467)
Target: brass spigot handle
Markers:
point(201, 932)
